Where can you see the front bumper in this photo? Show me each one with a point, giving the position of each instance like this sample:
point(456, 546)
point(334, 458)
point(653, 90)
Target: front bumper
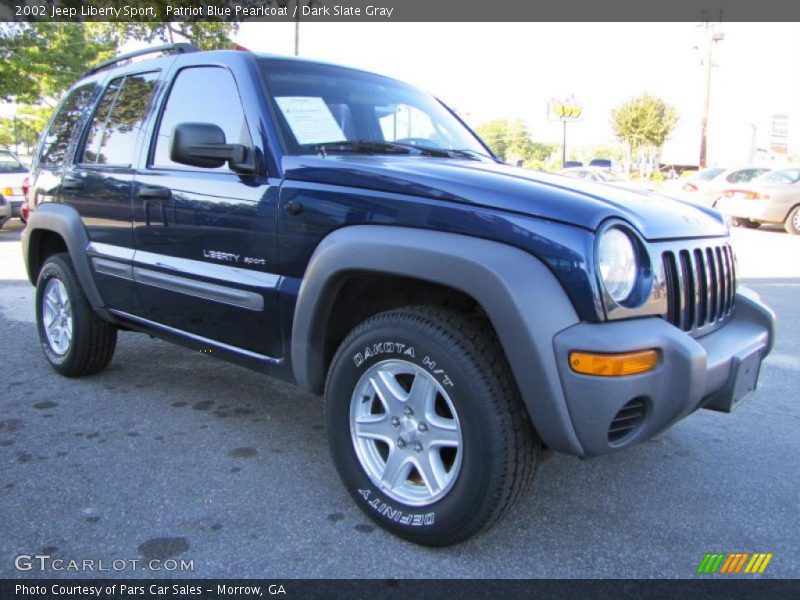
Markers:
point(692, 373)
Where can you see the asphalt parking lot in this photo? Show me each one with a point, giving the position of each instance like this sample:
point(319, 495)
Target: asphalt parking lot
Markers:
point(171, 454)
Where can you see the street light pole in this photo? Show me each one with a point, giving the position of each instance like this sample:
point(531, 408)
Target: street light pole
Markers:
point(564, 145)
point(712, 38)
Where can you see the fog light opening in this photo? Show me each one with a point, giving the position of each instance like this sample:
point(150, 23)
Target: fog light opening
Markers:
point(628, 420)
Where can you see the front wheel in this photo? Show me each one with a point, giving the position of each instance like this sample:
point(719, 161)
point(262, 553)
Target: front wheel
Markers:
point(792, 224)
point(426, 426)
point(75, 340)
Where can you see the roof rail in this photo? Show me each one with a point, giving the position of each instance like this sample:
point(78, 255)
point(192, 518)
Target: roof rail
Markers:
point(181, 48)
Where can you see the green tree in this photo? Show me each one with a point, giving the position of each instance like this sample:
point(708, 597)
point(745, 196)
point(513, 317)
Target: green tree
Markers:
point(511, 141)
point(204, 35)
point(643, 124)
point(39, 61)
point(495, 134)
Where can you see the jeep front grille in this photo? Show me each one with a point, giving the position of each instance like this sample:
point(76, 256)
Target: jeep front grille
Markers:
point(701, 285)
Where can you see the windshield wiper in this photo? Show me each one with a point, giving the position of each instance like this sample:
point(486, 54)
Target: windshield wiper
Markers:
point(450, 152)
point(473, 153)
point(362, 146)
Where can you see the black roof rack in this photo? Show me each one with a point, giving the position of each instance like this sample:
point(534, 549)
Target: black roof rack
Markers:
point(181, 48)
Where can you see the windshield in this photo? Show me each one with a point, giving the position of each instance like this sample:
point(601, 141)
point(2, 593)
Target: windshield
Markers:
point(10, 164)
point(782, 176)
point(320, 106)
point(709, 174)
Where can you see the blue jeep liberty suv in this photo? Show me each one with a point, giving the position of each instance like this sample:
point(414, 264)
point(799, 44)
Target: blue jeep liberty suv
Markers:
point(349, 233)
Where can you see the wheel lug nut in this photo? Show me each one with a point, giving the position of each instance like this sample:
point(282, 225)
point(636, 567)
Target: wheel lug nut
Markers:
point(418, 447)
point(422, 427)
point(395, 422)
point(401, 443)
point(408, 411)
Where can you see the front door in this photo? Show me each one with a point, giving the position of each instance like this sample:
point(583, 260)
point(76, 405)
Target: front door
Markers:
point(206, 255)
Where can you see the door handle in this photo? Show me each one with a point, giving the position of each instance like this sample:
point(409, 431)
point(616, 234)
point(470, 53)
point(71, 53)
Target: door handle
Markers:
point(71, 184)
point(155, 193)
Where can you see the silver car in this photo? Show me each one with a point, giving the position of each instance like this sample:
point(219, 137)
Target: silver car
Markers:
point(13, 174)
point(771, 198)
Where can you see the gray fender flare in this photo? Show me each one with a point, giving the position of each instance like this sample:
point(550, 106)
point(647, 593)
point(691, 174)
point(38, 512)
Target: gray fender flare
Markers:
point(66, 222)
point(524, 301)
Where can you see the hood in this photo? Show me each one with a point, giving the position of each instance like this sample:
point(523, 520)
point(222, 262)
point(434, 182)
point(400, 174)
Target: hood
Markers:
point(499, 186)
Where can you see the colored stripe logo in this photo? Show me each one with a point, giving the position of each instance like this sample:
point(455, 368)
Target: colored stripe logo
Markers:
point(734, 563)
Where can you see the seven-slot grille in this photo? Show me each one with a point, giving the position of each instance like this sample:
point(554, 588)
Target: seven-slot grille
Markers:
point(701, 284)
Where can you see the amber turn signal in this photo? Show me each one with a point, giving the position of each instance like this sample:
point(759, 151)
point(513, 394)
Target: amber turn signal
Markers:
point(613, 365)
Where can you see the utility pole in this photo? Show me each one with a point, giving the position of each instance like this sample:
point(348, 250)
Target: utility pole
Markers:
point(297, 30)
point(712, 37)
point(564, 144)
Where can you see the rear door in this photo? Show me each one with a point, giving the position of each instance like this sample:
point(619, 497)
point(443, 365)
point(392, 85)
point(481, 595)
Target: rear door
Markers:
point(98, 183)
point(205, 238)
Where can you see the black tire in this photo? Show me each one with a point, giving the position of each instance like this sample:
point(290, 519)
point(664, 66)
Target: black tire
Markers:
point(93, 340)
point(746, 223)
point(792, 223)
point(500, 447)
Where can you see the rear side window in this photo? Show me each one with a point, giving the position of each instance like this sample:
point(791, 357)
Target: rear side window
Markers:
point(65, 125)
point(201, 95)
point(118, 120)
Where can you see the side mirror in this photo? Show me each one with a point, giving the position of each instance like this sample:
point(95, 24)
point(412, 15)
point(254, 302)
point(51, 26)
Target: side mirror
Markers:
point(203, 145)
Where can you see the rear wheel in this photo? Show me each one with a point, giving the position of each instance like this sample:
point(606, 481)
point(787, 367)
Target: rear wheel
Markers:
point(792, 224)
point(74, 339)
point(426, 426)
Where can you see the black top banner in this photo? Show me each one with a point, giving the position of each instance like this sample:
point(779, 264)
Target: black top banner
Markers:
point(399, 10)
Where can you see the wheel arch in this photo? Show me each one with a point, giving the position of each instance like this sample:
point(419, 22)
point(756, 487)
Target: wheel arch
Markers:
point(519, 295)
point(54, 228)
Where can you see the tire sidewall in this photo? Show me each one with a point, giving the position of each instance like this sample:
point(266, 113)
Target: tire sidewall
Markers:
point(371, 347)
point(52, 269)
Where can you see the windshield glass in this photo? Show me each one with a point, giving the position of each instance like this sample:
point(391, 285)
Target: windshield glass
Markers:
point(320, 105)
point(709, 174)
point(10, 164)
point(782, 176)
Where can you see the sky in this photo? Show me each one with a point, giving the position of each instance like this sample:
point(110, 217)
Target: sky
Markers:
point(511, 70)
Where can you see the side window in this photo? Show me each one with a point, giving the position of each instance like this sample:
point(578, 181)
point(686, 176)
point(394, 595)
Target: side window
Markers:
point(111, 139)
point(201, 95)
point(65, 124)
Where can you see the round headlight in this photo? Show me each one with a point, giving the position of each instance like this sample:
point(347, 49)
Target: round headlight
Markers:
point(617, 263)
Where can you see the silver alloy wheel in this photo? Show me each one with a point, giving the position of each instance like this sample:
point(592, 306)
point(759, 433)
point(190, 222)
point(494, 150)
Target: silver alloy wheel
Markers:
point(406, 432)
point(57, 316)
point(796, 220)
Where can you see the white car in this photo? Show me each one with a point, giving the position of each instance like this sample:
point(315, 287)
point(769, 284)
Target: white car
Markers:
point(704, 187)
point(13, 174)
point(603, 175)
